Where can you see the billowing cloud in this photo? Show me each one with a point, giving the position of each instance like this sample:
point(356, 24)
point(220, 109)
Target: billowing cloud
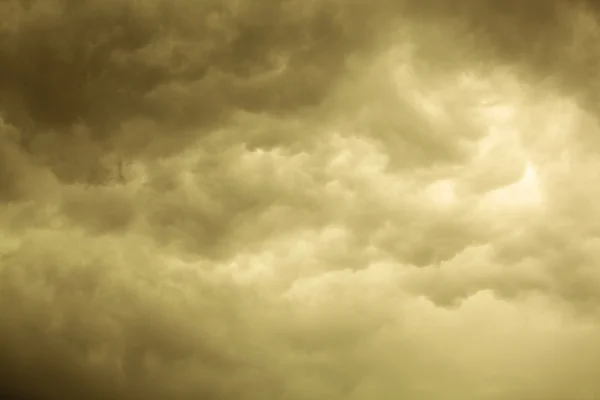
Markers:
point(299, 200)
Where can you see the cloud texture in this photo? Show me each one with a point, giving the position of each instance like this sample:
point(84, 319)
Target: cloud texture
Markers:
point(299, 200)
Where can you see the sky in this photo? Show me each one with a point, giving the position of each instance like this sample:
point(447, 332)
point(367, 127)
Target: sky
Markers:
point(299, 200)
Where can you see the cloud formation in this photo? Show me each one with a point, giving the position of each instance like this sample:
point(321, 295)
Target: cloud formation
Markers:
point(298, 200)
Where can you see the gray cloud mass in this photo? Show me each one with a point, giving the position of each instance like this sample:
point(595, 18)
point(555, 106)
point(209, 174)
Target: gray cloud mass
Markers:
point(299, 200)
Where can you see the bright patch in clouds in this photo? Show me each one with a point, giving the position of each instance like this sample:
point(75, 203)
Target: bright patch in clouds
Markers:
point(525, 192)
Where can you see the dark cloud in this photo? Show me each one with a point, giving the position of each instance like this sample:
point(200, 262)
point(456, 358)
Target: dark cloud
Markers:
point(298, 199)
point(121, 76)
point(175, 64)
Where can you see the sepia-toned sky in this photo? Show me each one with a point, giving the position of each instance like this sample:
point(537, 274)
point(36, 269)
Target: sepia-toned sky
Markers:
point(299, 199)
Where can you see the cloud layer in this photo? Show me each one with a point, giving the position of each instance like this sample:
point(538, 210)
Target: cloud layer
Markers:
point(299, 200)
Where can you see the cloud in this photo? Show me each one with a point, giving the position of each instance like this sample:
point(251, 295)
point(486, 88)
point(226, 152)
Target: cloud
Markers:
point(300, 200)
point(89, 70)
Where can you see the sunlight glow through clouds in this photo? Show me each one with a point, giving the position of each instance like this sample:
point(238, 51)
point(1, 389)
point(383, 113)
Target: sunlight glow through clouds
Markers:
point(523, 193)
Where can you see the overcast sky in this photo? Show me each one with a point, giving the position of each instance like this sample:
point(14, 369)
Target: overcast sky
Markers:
point(299, 199)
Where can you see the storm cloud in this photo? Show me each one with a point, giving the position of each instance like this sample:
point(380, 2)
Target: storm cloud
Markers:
point(299, 200)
